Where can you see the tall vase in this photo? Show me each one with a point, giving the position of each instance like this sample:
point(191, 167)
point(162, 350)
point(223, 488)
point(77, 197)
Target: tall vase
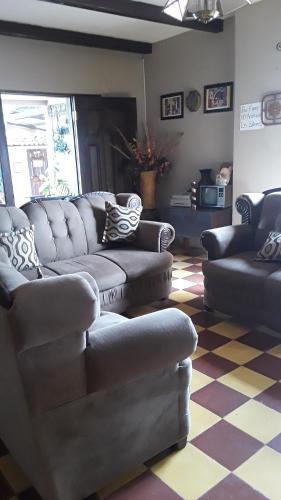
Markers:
point(148, 188)
point(206, 179)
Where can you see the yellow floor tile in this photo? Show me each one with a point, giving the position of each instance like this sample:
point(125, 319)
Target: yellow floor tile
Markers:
point(237, 352)
point(140, 311)
point(180, 273)
point(181, 265)
point(246, 381)
point(263, 472)
point(200, 351)
point(276, 351)
point(229, 329)
point(188, 309)
point(181, 284)
point(256, 419)
point(199, 328)
point(189, 472)
point(13, 474)
point(182, 296)
point(199, 380)
point(201, 419)
point(179, 257)
point(121, 481)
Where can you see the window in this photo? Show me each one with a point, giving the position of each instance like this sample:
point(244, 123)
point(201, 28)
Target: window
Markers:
point(41, 148)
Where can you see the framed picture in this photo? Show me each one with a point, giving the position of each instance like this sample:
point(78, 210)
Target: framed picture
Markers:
point(171, 106)
point(218, 97)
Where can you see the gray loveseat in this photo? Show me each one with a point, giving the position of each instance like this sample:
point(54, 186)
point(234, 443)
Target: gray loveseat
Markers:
point(235, 283)
point(68, 237)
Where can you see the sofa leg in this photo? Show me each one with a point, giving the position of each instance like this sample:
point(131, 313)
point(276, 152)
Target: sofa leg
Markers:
point(181, 444)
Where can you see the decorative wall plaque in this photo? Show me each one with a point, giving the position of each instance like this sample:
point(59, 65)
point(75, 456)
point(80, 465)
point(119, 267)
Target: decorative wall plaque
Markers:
point(271, 109)
point(193, 100)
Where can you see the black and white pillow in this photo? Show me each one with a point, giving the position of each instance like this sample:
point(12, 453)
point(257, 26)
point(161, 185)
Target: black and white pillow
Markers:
point(271, 249)
point(20, 248)
point(121, 223)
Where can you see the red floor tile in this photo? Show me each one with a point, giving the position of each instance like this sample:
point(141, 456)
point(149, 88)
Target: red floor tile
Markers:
point(5, 490)
point(30, 494)
point(259, 340)
point(218, 398)
point(267, 365)
point(211, 340)
point(232, 488)
point(145, 487)
point(227, 445)
point(197, 289)
point(271, 397)
point(196, 278)
point(164, 304)
point(205, 319)
point(276, 443)
point(195, 269)
point(197, 303)
point(213, 365)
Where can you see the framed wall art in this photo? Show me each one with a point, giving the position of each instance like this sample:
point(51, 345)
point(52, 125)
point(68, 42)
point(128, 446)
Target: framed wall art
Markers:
point(218, 97)
point(171, 106)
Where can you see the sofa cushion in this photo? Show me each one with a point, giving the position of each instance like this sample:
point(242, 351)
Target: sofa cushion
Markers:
point(121, 223)
point(270, 219)
point(271, 249)
point(273, 293)
point(138, 263)
point(239, 279)
point(20, 248)
point(107, 274)
point(12, 219)
point(59, 230)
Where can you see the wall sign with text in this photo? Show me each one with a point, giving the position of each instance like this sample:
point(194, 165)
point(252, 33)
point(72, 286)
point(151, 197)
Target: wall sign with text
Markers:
point(250, 116)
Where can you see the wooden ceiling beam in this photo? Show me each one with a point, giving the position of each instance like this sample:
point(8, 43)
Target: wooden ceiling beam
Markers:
point(30, 31)
point(138, 10)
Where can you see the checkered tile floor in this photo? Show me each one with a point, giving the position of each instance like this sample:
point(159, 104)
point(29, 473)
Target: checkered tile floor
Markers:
point(234, 448)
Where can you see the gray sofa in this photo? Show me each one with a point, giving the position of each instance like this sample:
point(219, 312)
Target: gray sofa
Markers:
point(235, 283)
point(86, 395)
point(68, 237)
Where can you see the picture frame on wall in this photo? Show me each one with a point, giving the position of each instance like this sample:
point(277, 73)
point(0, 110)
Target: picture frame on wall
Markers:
point(218, 97)
point(171, 106)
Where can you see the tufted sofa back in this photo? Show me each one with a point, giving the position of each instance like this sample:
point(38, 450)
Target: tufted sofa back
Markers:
point(59, 230)
point(91, 208)
point(270, 218)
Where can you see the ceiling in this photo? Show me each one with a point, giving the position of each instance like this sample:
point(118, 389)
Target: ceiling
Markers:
point(86, 21)
point(51, 15)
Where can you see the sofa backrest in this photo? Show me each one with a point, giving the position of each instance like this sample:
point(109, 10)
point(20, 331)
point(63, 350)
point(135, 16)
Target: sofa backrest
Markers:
point(270, 218)
point(59, 229)
point(12, 219)
point(91, 207)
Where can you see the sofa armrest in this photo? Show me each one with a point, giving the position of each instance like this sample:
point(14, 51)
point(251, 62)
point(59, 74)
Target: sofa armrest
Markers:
point(229, 240)
point(130, 200)
point(49, 309)
point(154, 236)
point(136, 347)
point(249, 206)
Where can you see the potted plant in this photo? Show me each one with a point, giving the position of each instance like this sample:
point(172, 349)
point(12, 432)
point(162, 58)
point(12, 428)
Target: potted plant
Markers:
point(147, 160)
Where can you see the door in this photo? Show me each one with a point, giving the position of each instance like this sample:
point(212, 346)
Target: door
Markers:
point(97, 118)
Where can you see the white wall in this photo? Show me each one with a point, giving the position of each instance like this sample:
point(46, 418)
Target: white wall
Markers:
point(257, 154)
point(185, 62)
point(51, 67)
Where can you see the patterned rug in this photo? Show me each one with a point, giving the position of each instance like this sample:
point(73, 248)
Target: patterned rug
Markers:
point(234, 448)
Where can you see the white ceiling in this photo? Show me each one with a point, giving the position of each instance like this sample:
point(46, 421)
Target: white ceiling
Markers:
point(70, 18)
point(86, 21)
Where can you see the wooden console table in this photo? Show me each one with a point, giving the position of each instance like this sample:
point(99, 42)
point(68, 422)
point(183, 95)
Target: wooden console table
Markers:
point(189, 223)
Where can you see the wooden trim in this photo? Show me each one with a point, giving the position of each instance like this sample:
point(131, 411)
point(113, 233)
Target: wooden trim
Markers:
point(30, 31)
point(139, 10)
point(4, 162)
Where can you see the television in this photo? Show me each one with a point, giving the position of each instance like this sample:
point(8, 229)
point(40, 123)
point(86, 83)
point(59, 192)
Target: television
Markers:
point(215, 196)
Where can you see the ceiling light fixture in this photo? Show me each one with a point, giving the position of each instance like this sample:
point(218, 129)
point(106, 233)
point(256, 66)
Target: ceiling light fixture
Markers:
point(204, 11)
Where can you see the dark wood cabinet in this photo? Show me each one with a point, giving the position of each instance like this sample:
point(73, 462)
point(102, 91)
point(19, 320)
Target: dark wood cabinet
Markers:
point(190, 223)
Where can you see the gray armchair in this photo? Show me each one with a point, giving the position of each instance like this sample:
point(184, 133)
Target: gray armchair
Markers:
point(234, 282)
point(86, 394)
